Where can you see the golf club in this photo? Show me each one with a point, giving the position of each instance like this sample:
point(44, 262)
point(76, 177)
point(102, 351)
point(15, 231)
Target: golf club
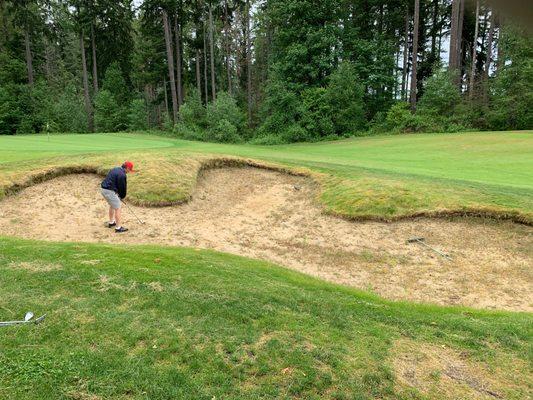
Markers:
point(131, 210)
point(421, 241)
point(28, 319)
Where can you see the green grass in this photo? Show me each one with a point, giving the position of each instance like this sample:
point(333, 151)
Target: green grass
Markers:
point(142, 322)
point(383, 177)
point(30, 147)
point(171, 323)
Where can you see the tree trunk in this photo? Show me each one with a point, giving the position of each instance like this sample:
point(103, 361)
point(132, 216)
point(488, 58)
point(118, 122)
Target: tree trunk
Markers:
point(47, 61)
point(167, 111)
point(88, 106)
point(474, 55)
point(456, 6)
point(170, 64)
point(489, 57)
point(460, 44)
point(177, 37)
point(405, 54)
point(501, 57)
point(415, 55)
point(228, 45)
point(198, 76)
point(95, 70)
point(248, 63)
point(205, 69)
point(434, 30)
point(212, 54)
point(29, 60)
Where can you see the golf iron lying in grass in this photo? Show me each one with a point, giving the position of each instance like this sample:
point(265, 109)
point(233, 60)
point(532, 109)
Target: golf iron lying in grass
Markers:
point(421, 240)
point(28, 319)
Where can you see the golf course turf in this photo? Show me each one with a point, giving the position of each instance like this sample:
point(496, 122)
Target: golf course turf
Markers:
point(177, 323)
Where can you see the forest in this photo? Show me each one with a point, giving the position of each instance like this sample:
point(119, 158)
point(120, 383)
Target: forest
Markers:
point(262, 71)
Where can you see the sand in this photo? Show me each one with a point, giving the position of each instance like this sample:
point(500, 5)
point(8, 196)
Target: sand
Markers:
point(275, 217)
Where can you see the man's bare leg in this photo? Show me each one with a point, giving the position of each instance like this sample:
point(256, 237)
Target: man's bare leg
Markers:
point(111, 215)
point(118, 213)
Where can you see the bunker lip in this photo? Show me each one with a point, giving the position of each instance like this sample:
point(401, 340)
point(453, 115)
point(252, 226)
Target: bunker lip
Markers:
point(271, 215)
point(206, 164)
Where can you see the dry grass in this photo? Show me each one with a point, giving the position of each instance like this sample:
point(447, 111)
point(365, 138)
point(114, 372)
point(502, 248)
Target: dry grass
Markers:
point(440, 372)
point(36, 266)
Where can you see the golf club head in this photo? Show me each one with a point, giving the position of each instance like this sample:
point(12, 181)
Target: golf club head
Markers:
point(28, 316)
point(40, 319)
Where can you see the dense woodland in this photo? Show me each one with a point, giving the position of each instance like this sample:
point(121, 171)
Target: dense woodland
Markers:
point(265, 71)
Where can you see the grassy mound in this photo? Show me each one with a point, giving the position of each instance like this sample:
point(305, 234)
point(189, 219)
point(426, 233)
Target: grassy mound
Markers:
point(161, 323)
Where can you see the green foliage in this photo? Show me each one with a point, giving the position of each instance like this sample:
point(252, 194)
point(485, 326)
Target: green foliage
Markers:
point(106, 112)
point(305, 44)
point(512, 89)
point(317, 117)
point(192, 121)
point(192, 112)
point(281, 110)
point(137, 116)
point(400, 119)
point(345, 96)
point(440, 97)
point(225, 120)
point(115, 84)
point(221, 121)
point(69, 111)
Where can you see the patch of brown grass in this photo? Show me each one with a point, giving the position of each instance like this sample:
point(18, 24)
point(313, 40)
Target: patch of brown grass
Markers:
point(440, 372)
point(35, 266)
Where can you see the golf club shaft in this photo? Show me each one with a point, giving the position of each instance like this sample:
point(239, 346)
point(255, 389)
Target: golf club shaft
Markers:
point(434, 249)
point(131, 210)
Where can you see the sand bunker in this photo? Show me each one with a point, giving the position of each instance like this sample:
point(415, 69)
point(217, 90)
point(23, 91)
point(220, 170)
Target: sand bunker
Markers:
point(272, 216)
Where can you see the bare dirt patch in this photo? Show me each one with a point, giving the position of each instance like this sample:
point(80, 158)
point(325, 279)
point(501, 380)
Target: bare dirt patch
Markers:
point(273, 216)
point(440, 372)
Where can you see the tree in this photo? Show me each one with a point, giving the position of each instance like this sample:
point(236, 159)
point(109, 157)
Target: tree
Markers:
point(474, 55)
point(415, 55)
point(170, 63)
point(489, 58)
point(212, 53)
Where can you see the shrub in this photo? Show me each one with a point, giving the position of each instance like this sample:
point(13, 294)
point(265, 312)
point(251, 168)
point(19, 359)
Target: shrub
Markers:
point(441, 96)
point(345, 97)
point(295, 133)
point(316, 118)
point(225, 120)
point(69, 113)
point(281, 110)
point(192, 113)
point(223, 131)
point(137, 116)
point(106, 112)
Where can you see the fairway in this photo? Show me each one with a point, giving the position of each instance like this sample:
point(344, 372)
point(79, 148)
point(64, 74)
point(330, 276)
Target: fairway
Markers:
point(16, 148)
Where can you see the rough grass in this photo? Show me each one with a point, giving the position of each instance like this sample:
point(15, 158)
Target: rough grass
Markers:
point(168, 323)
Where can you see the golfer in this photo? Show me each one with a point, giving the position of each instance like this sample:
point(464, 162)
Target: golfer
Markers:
point(114, 189)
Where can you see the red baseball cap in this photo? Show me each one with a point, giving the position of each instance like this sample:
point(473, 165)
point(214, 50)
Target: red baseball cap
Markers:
point(128, 165)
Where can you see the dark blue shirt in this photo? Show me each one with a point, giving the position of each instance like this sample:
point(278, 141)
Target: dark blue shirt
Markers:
point(116, 181)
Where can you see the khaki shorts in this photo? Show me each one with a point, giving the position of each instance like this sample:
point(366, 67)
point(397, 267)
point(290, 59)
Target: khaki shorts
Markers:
point(112, 198)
